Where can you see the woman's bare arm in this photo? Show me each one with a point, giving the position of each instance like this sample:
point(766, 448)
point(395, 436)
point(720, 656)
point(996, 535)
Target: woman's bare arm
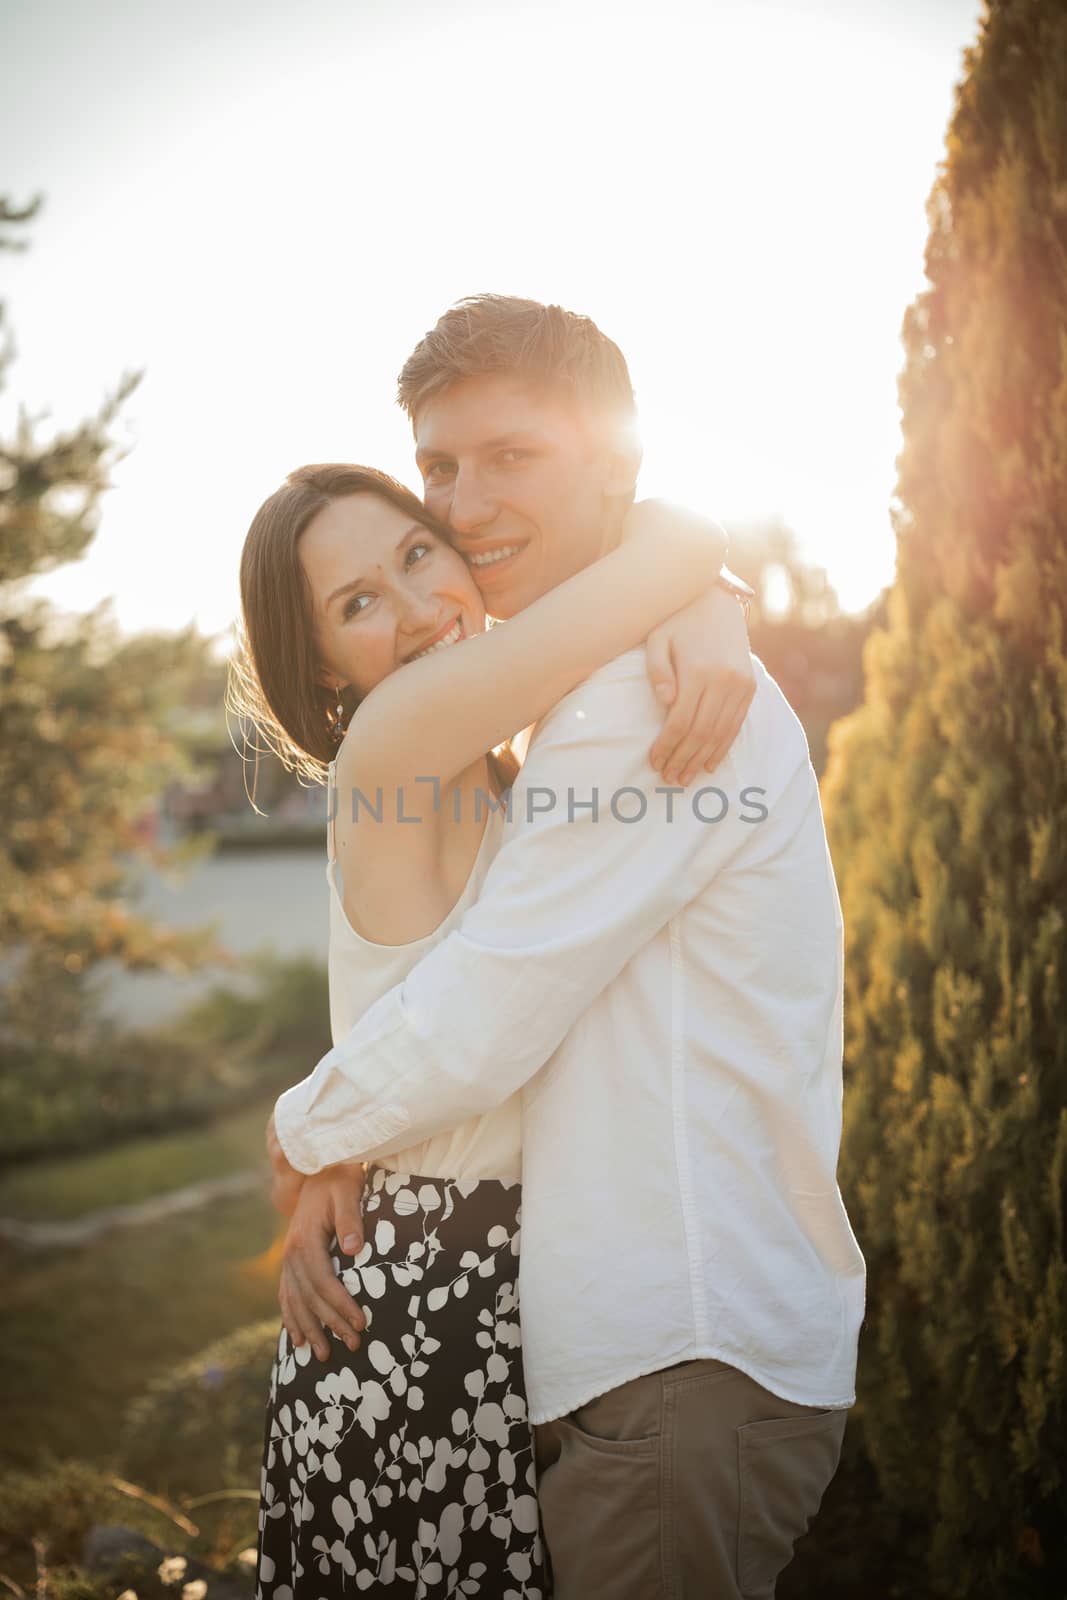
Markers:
point(436, 715)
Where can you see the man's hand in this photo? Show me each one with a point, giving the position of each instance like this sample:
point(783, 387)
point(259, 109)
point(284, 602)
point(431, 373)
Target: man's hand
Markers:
point(698, 663)
point(310, 1294)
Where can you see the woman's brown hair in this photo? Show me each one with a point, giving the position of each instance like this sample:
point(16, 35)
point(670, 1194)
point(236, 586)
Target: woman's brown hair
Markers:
point(273, 676)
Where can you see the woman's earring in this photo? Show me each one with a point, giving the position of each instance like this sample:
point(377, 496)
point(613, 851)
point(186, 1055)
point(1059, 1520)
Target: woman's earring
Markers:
point(337, 728)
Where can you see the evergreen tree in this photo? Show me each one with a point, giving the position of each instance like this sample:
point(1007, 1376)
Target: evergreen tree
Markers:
point(946, 797)
point(84, 741)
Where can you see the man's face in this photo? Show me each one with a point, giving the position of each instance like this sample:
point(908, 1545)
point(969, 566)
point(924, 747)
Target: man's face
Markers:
point(516, 470)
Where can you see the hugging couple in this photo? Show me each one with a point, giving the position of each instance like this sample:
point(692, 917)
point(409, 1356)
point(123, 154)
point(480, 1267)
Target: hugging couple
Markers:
point(585, 942)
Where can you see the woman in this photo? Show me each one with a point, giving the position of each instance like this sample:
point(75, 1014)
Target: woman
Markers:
point(407, 1462)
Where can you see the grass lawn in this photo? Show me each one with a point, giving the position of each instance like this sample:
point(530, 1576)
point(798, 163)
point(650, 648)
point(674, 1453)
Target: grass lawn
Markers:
point(67, 1186)
point(84, 1330)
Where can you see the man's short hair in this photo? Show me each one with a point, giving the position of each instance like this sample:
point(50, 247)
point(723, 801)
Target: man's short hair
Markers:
point(543, 345)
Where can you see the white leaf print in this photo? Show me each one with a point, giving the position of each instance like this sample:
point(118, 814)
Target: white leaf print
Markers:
point(384, 1236)
point(497, 1236)
point(373, 1282)
point(429, 1197)
point(437, 1297)
point(524, 1513)
point(490, 1423)
point(373, 1407)
point(474, 1489)
point(497, 1368)
point(342, 1512)
point(448, 1537)
point(380, 1356)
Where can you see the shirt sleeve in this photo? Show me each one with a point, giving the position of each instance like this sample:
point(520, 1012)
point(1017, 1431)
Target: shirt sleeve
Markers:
point(598, 856)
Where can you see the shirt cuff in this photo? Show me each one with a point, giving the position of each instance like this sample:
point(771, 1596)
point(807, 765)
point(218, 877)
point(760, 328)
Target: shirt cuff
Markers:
point(309, 1147)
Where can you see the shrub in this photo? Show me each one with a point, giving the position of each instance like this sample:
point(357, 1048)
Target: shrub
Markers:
point(227, 1049)
point(200, 1427)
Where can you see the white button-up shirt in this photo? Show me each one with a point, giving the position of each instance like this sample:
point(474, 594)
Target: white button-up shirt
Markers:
point(662, 971)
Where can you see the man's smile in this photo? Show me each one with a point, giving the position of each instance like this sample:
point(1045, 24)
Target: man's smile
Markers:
point(495, 559)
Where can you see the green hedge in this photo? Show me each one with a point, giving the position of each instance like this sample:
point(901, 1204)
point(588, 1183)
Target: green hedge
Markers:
point(225, 1050)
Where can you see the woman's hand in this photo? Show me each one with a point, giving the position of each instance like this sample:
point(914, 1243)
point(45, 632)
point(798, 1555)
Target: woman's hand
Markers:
point(699, 665)
point(311, 1295)
point(285, 1182)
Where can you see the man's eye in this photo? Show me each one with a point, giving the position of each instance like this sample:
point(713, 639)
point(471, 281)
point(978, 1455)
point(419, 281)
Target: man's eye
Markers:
point(437, 470)
point(511, 457)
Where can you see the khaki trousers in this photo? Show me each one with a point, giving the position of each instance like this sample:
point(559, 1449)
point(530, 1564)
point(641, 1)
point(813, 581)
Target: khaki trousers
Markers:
point(693, 1483)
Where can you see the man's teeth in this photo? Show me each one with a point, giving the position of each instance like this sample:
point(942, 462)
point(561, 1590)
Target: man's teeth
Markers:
point(494, 555)
point(454, 634)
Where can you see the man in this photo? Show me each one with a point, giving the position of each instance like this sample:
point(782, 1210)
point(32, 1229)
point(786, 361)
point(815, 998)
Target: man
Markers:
point(660, 965)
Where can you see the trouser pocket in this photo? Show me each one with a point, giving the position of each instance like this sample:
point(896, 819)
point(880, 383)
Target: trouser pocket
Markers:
point(599, 1488)
point(784, 1467)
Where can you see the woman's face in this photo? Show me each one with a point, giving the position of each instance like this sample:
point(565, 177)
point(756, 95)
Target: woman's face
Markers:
point(384, 589)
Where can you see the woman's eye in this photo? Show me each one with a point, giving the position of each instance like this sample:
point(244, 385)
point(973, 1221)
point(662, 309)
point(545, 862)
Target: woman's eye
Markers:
point(511, 457)
point(352, 606)
point(420, 546)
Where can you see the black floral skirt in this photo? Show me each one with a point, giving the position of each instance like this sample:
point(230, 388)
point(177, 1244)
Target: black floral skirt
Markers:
point(408, 1465)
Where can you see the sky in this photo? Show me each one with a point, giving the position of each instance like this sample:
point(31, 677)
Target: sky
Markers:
point(263, 206)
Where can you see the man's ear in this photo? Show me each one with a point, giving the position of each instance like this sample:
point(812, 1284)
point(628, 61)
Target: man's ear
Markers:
point(623, 465)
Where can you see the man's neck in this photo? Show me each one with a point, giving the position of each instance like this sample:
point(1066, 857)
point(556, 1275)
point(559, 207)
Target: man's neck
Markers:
point(611, 528)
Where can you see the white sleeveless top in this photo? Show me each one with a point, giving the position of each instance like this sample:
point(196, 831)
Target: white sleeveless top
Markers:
point(361, 972)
